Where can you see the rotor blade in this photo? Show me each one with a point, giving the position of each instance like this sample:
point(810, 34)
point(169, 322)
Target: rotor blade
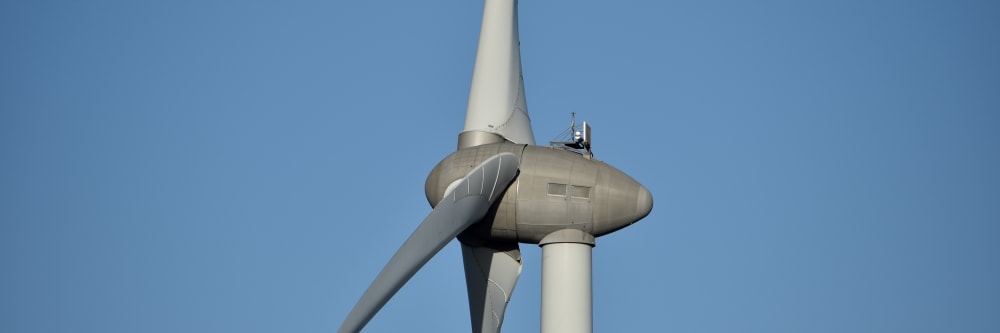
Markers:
point(496, 97)
point(490, 275)
point(466, 202)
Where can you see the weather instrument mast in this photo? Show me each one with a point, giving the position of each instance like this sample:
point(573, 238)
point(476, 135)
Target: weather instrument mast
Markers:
point(574, 140)
point(499, 189)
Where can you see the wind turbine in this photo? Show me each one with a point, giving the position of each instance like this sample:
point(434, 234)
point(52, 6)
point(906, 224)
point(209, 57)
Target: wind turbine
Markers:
point(500, 189)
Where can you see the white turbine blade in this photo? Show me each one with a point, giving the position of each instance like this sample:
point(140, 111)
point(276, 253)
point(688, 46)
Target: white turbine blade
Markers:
point(496, 98)
point(490, 275)
point(466, 203)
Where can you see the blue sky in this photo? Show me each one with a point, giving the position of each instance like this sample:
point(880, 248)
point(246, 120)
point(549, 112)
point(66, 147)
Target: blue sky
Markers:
point(216, 166)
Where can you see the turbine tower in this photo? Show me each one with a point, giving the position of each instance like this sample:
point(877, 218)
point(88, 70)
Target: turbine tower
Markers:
point(499, 189)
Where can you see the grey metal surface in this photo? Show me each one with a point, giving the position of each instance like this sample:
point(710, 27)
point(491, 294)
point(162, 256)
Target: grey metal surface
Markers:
point(466, 203)
point(490, 275)
point(568, 236)
point(598, 198)
point(478, 138)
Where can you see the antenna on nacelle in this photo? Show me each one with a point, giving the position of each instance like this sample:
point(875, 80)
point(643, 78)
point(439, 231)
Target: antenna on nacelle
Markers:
point(574, 140)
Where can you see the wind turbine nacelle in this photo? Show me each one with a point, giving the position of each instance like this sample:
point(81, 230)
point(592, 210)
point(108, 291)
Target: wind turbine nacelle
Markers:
point(554, 190)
